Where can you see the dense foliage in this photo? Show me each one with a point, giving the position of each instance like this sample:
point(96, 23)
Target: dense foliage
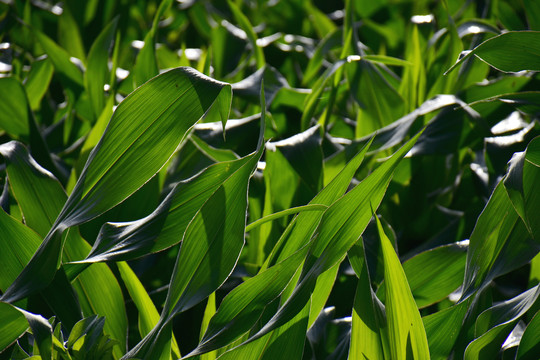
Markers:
point(269, 179)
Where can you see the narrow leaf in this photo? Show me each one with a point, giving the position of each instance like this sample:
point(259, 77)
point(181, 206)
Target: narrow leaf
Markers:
point(405, 328)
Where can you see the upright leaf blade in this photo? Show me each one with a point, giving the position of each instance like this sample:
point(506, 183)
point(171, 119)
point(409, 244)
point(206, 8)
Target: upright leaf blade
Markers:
point(406, 331)
point(210, 249)
point(341, 226)
point(97, 72)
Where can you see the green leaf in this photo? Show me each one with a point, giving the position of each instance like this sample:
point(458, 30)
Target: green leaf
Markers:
point(97, 71)
point(38, 81)
point(204, 261)
point(406, 332)
point(13, 324)
point(144, 131)
point(288, 339)
point(312, 100)
point(531, 179)
point(301, 229)
point(529, 346)
point(148, 314)
point(443, 327)
point(18, 243)
point(280, 267)
point(217, 155)
point(61, 60)
point(42, 332)
point(146, 66)
point(166, 226)
point(13, 107)
point(243, 306)
point(341, 226)
point(387, 60)
point(495, 324)
point(41, 197)
point(244, 23)
point(69, 35)
point(388, 136)
point(434, 274)
point(499, 243)
point(280, 214)
point(380, 103)
point(321, 292)
point(369, 338)
point(511, 51)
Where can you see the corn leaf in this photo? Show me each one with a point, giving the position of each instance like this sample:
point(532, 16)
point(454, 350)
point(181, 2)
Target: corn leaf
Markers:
point(509, 52)
point(529, 344)
point(406, 333)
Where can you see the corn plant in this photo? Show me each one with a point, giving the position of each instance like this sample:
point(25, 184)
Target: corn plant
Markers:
point(269, 180)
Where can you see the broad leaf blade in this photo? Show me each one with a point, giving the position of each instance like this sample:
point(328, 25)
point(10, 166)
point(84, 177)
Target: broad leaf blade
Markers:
point(511, 51)
point(165, 227)
point(442, 329)
point(144, 131)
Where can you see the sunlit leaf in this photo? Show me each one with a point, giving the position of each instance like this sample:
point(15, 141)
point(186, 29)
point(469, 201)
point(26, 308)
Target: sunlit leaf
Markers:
point(406, 333)
point(509, 52)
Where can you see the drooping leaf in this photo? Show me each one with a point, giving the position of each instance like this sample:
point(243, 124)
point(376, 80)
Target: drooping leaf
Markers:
point(145, 123)
point(166, 226)
point(511, 51)
point(144, 130)
point(495, 324)
point(210, 248)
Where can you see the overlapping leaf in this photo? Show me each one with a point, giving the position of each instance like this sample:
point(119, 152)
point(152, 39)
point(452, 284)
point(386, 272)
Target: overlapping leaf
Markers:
point(340, 227)
point(144, 132)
